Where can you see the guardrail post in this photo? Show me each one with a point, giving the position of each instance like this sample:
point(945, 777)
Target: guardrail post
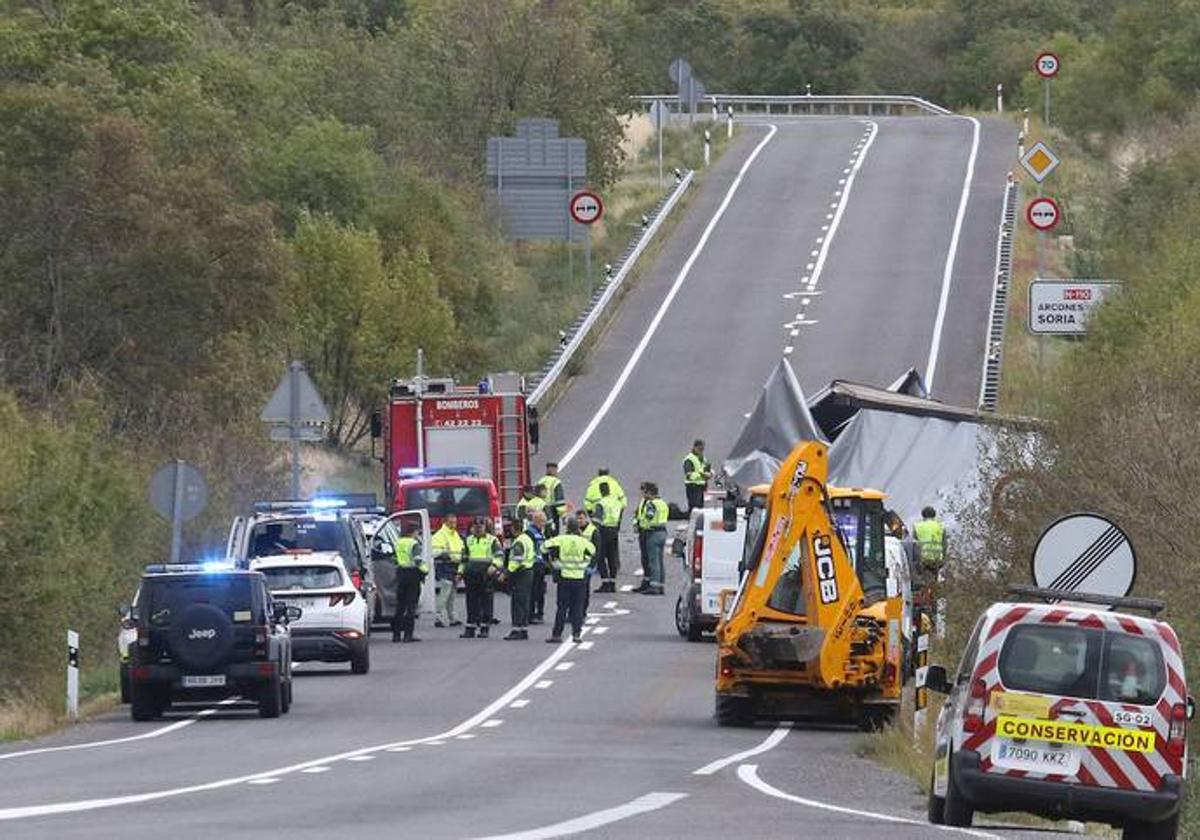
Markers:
point(72, 674)
point(921, 696)
point(729, 123)
point(707, 146)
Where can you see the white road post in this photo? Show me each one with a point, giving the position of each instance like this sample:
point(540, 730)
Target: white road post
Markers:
point(1025, 123)
point(707, 146)
point(921, 694)
point(729, 121)
point(1020, 145)
point(714, 104)
point(999, 98)
point(72, 674)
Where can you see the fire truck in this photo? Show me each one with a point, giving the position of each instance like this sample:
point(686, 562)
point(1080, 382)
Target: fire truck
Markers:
point(434, 428)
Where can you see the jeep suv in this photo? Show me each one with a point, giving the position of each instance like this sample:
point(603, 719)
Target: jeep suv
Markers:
point(205, 632)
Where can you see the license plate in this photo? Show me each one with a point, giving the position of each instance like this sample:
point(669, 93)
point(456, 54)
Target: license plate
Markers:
point(204, 681)
point(1035, 757)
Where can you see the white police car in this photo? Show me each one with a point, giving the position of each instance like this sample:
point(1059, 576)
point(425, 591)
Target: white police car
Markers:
point(335, 623)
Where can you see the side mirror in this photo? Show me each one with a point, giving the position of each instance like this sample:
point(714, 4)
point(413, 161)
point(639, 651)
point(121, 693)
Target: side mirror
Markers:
point(678, 545)
point(376, 424)
point(292, 613)
point(729, 512)
point(936, 679)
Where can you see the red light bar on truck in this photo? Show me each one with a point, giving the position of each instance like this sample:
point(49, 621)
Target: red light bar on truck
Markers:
point(439, 472)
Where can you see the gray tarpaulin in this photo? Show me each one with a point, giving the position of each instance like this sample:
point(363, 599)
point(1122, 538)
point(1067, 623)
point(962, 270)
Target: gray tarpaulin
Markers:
point(779, 421)
point(916, 460)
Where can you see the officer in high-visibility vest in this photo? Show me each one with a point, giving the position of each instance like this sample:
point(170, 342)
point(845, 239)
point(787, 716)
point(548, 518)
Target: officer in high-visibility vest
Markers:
point(588, 530)
point(570, 555)
point(607, 512)
point(931, 540)
point(555, 496)
point(532, 498)
point(482, 554)
point(591, 496)
point(641, 535)
point(537, 592)
point(411, 570)
point(523, 554)
point(696, 473)
point(652, 524)
point(447, 548)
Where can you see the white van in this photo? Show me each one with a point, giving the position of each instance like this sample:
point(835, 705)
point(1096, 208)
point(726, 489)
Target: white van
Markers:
point(709, 556)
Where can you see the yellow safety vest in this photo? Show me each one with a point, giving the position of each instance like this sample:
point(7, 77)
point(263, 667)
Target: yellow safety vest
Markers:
point(694, 469)
point(523, 554)
point(591, 496)
point(652, 513)
point(482, 551)
point(610, 511)
point(408, 548)
point(574, 555)
point(555, 498)
point(447, 542)
point(528, 506)
point(931, 538)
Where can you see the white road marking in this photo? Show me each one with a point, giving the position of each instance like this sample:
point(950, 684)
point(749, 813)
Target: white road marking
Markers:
point(948, 270)
point(544, 684)
point(438, 743)
point(492, 724)
point(365, 757)
point(809, 266)
point(315, 770)
point(599, 631)
point(787, 351)
point(482, 718)
point(584, 645)
point(154, 733)
point(814, 253)
point(820, 239)
point(836, 218)
point(794, 333)
point(592, 619)
point(770, 743)
point(638, 572)
point(466, 736)
point(805, 301)
point(564, 666)
point(748, 773)
point(518, 704)
point(267, 781)
point(627, 587)
point(824, 227)
point(596, 819)
point(617, 387)
point(608, 605)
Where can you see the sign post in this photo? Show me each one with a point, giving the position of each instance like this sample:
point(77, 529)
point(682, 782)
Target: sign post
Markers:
point(72, 674)
point(178, 494)
point(295, 412)
point(1047, 66)
point(586, 208)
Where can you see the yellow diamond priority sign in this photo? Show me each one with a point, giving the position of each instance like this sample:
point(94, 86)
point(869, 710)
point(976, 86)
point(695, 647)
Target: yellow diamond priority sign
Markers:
point(1039, 161)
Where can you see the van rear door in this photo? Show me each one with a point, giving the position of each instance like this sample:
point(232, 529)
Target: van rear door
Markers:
point(721, 552)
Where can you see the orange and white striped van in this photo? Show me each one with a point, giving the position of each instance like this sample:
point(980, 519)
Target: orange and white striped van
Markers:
point(1064, 711)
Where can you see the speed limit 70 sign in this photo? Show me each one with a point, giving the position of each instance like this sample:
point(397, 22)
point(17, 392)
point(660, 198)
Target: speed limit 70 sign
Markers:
point(1047, 65)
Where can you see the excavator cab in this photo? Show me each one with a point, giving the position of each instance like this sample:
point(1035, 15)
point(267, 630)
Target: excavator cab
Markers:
point(811, 632)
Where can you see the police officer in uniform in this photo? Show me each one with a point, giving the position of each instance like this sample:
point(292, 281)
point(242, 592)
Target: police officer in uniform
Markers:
point(411, 570)
point(608, 510)
point(447, 554)
point(588, 530)
point(930, 534)
point(570, 554)
point(696, 473)
point(482, 552)
point(525, 551)
point(554, 495)
point(591, 496)
point(652, 524)
point(532, 498)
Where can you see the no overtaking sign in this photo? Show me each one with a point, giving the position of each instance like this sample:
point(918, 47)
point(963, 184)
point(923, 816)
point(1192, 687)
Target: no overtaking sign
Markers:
point(586, 207)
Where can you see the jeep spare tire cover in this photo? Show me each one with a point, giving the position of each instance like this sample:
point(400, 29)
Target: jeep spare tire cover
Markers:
point(201, 637)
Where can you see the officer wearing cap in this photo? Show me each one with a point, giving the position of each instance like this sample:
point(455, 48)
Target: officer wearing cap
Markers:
point(652, 525)
point(607, 511)
point(554, 495)
point(411, 570)
point(696, 473)
point(570, 555)
point(482, 555)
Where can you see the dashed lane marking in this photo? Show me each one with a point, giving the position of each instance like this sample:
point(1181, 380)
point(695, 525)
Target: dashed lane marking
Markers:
point(608, 605)
point(564, 666)
point(627, 587)
point(518, 704)
point(584, 645)
point(315, 770)
point(544, 684)
point(466, 736)
point(364, 757)
point(599, 631)
point(268, 781)
point(492, 724)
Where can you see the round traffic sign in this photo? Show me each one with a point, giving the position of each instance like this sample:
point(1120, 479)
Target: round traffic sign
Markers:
point(586, 207)
point(1043, 213)
point(1047, 65)
point(193, 492)
point(1086, 553)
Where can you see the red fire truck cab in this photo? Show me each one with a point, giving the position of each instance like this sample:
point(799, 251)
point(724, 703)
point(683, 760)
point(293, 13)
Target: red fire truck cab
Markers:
point(448, 447)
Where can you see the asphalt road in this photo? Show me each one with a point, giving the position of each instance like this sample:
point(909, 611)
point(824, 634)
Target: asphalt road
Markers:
point(458, 739)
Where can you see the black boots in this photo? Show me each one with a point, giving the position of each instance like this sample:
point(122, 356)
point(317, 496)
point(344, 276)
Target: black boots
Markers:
point(468, 632)
point(516, 634)
point(484, 629)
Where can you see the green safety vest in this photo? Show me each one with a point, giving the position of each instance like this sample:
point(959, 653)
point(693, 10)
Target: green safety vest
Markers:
point(574, 555)
point(482, 550)
point(447, 542)
point(528, 506)
point(591, 496)
point(589, 532)
point(555, 497)
point(408, 548)
point(523, 553)
point(931, 538)
point(652, 513)
point(695, 469)
point(610, 511)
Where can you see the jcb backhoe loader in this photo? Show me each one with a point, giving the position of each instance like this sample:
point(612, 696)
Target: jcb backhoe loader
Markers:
point(809, 636)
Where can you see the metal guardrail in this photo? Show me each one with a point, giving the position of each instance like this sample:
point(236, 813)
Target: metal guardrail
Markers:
point(578, 332)
point(868, 104)
point(993, 351)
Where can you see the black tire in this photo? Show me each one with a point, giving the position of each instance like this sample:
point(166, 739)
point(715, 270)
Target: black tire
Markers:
point(695, 631)
point(956, 810)
point(270, 698)
point(680, 618)
point(734, 711)
point(285, 705)
point(360, 659)
point(145, 703)
point(125, 692)
point(1168, 829)
point(937, 805)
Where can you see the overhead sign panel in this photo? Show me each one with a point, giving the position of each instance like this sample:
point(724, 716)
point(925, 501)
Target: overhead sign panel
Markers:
point(1063, 307)
point(1085, 553)
point(1040, 161)
point(532, 177)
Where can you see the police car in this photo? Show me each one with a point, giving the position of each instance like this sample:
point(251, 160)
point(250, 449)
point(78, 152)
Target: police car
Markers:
point(335, 614)
point(1066, 710)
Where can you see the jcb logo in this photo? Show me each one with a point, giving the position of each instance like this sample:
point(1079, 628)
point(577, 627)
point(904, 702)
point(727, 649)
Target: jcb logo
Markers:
point(826, 573)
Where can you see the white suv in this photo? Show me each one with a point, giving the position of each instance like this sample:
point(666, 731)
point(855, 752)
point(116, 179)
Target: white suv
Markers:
point(335, 624)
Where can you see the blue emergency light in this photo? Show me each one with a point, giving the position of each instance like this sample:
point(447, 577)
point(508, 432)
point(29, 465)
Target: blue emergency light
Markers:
point(438, 472)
